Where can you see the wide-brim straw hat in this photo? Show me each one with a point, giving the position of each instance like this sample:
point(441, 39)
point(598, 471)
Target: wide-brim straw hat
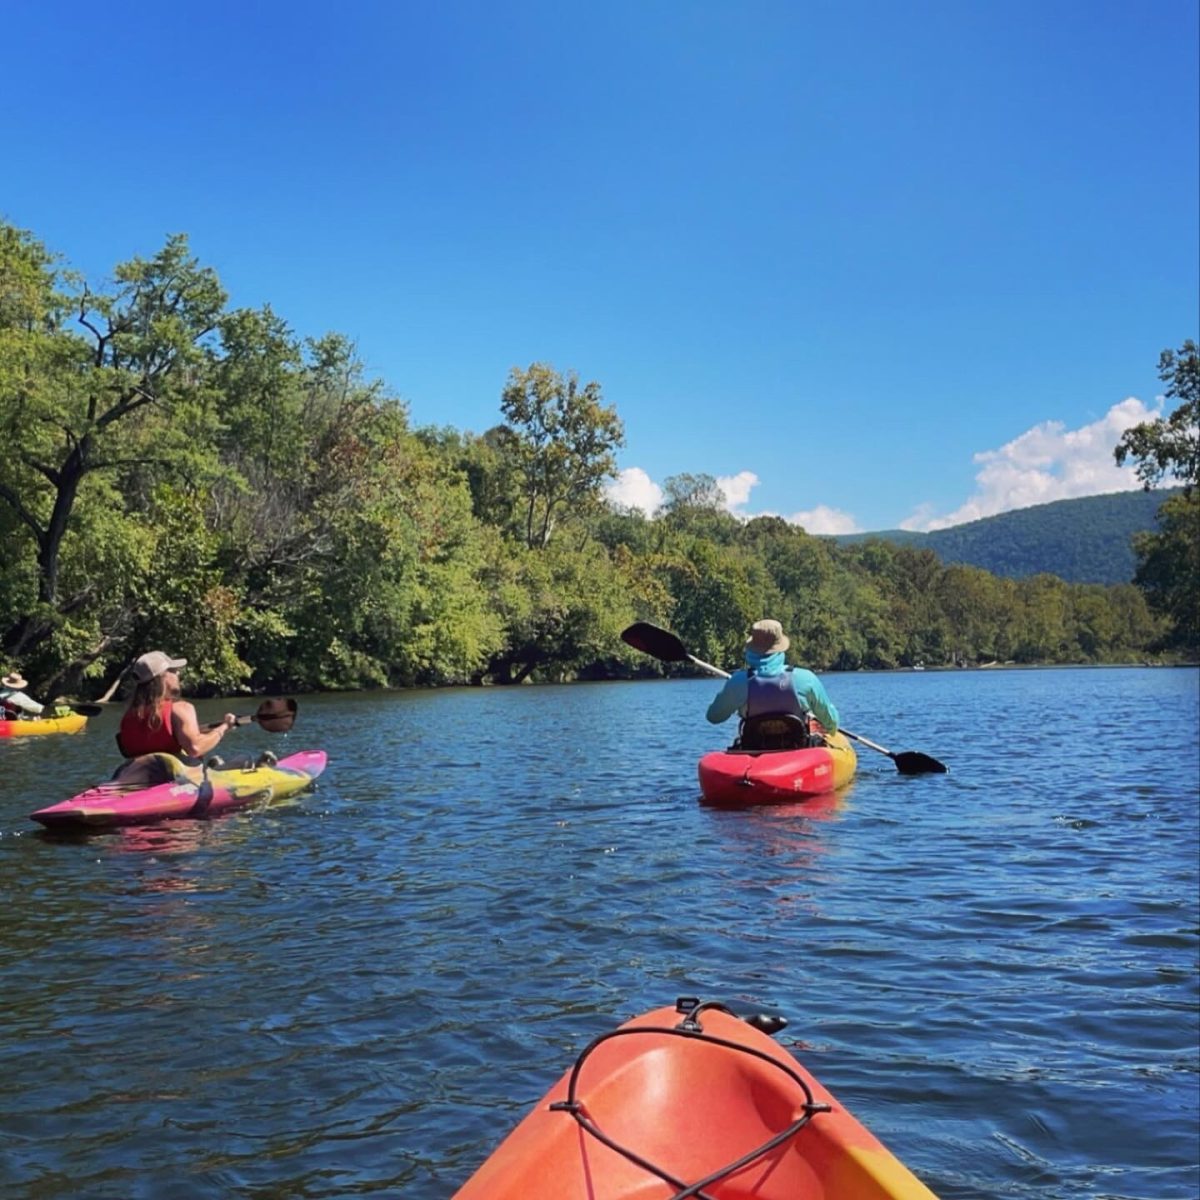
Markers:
point(14, 680)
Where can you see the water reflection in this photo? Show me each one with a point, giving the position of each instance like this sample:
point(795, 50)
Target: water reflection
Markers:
point(387, 972)
point(167, 838)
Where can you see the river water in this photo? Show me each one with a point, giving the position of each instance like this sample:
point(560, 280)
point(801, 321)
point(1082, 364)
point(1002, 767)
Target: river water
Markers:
point(360, 990)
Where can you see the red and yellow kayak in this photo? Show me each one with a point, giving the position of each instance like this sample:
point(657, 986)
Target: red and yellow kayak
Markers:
point(71, 723)
point(741, 778)
point(690, 1102)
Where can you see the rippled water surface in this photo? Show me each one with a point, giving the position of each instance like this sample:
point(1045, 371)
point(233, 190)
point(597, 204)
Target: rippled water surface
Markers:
point(359, 991)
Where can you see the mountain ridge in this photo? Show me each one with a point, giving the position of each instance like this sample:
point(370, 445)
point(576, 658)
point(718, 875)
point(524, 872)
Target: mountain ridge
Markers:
point(1083, 540)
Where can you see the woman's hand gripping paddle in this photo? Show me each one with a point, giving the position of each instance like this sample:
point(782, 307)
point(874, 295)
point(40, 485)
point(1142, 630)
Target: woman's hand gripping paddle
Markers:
point(275, 716)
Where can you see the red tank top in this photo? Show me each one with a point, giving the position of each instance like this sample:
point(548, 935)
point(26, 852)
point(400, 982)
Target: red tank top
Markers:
point(138, 736)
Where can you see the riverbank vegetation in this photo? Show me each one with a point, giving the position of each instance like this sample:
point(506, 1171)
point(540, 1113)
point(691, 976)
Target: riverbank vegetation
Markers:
point(178, 473)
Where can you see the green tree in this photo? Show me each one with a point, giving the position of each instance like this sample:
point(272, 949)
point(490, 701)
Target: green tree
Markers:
point(564, 445)
point(562, 608)
point(1045, 620)
point(94, 383)
point(355, 544)
point(1170, 445)
point(692, 491)
point(978, 608)
point(1168, 567)
point(695, 506)
point(719, 592)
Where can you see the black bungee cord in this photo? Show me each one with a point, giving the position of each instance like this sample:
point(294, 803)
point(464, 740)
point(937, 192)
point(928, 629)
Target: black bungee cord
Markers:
point(689, 1027)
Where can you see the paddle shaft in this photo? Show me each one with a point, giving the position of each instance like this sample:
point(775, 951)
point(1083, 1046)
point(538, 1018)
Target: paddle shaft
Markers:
point(867, 742)
point(274, 716)
point(242, 719)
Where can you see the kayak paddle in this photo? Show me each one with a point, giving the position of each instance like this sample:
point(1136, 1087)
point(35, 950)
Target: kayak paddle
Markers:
point(666, 647)
point(908, 762)
point(275, 716)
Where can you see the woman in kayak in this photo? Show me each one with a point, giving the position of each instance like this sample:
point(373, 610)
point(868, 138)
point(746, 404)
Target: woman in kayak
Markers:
point(14, 704)
point(157, 720)
point(768, 686)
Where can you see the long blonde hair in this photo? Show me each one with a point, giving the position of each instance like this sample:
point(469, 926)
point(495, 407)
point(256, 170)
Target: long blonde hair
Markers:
point(148, 698)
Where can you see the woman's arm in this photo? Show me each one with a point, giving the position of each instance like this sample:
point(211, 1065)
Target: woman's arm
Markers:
point(194, 741)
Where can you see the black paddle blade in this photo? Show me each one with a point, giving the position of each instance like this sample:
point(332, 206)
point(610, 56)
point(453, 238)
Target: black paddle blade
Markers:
point(658, 643)
point(913, 762)
point(276, 716)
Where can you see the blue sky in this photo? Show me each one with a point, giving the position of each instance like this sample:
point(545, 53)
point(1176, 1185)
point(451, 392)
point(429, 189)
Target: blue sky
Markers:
point(869, 263)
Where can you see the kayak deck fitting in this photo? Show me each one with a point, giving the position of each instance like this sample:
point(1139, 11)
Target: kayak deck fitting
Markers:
point(691, 1102)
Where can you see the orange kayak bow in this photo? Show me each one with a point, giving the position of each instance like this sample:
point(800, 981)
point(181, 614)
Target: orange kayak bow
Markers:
point(690, 1102)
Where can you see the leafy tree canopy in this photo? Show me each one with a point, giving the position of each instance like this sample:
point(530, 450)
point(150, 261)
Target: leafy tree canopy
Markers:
point(184, 475)
point(1170, 445)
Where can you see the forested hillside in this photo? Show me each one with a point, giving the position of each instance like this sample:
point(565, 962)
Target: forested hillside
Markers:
point(183, 475)
point(1087, 540)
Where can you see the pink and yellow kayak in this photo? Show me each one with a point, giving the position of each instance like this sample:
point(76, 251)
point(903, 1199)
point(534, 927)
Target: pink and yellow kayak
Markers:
point(71, 723)
point(742, 778)
point(690, 1101)
point(186, 792)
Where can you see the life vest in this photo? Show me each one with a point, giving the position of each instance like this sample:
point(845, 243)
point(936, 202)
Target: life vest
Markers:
point(771, 694)
point(137, 736)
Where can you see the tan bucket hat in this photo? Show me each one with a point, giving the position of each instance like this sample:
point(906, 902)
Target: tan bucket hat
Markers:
point(767, 637)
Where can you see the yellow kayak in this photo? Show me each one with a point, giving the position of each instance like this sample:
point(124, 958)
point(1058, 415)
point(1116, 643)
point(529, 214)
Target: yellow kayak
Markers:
point(72, 723)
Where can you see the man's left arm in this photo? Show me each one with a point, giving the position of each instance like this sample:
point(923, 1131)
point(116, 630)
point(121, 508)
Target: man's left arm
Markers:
point(813, 696)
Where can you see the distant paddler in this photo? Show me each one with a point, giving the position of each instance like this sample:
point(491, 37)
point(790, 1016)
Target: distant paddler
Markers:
point(15, 705)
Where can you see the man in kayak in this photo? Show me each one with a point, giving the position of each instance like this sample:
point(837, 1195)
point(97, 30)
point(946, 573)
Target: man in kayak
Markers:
point(14, 704)
point(768, 686)
point(157, 720)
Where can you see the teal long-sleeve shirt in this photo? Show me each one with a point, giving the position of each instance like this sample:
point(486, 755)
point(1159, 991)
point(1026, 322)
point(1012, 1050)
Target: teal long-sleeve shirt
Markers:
point(808, 688)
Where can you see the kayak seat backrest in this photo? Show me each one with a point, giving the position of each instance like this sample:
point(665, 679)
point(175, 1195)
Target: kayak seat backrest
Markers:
point(148, 770)
point(774, 731)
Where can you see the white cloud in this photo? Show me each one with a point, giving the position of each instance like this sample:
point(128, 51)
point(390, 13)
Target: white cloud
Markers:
point(1047, 462)
point(633, 488)
point(737, 489)
point(824, 519)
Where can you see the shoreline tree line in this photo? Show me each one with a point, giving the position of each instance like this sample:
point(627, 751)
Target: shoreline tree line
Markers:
point(182, 474)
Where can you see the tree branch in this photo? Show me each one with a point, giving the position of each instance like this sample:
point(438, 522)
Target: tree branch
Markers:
point(44, 469)
point(126, 405)
point(14, 501)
